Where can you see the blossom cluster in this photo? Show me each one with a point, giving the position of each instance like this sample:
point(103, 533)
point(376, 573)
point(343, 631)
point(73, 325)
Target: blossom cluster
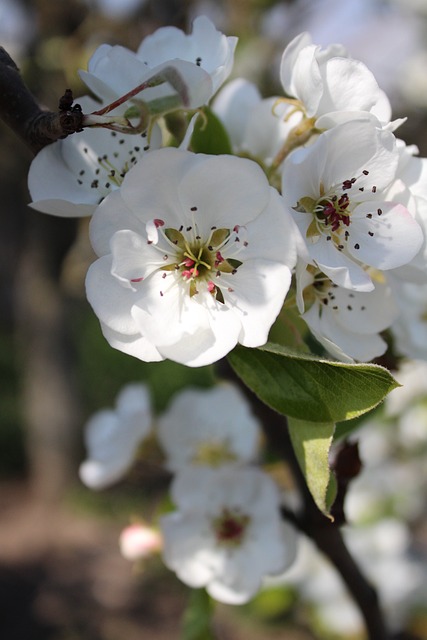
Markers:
point(226, 533)
point(198, 252)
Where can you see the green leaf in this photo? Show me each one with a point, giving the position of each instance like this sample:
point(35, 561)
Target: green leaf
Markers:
point(197, 620)
point(209, 135)
point(309, 388)
point(311, 442)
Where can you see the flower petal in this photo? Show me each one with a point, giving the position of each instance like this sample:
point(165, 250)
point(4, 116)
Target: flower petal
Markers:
point(388, 239)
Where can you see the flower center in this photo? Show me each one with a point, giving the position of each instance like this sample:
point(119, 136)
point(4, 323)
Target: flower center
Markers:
point(230, 527)
point(213, 454)
point(197, 260)
point(331, 211)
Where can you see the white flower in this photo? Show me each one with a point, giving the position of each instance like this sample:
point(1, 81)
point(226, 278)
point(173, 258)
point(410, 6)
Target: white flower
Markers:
point(227, 533)
point(410, 329)
point(335, 190)
point(70, 177)
point(138, 541)
point(382, 550)
point(208, 427)
point(328, 83)
point(112, 437)
point(345, 322)
point(412, 375)
point(203, 59)
point(196, 256)
point(256, 126)
point(410, 189)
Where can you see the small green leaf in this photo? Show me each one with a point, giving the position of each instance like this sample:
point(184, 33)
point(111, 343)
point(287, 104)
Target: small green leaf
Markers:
point(209, 135)
point(311, 442)
point(197, 620)
point(305, 387)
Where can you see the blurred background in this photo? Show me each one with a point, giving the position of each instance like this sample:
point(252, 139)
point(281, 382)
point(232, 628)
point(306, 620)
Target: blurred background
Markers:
point(61, 574)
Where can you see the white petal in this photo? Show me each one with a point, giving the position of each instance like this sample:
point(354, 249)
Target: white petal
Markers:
point(187, 549)
point(133, 257)
point(194, 331)
point(350, 85)
point(233, 105)
point(112, 215)
point(258, 291)
point(363, 313)
point(243, 195)
point(329, 333)
point(97, 475)
point(388, 239)
point(134, 401)
point(339, 267)
point(150, 188)
point(111, 301)
point(134, 345)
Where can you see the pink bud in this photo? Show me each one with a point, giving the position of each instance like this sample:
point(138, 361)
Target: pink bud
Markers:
point(139, 541)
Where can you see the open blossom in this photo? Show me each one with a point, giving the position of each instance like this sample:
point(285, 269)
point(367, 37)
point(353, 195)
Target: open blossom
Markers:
point(196, 256)
point(410, 189)
point(70, 177)
point(208, 427)
point(227, 532)
point(336, 190)
point(204, 60)
point(347, 323)
point(113, 435)
point(326, 82)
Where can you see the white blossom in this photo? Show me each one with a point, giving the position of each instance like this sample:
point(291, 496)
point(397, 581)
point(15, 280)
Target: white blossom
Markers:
point(336, 191)
point(326, 82)
point(227, 533)
point(347, 323)
point(113, 435)
point(412, 376)
point(208, 427)
point(410, 328)
point(203, 59)
point(70, 177)
point(196, 256)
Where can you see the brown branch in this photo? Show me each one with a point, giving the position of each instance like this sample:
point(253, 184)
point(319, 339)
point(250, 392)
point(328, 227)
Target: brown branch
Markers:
point(20, 111)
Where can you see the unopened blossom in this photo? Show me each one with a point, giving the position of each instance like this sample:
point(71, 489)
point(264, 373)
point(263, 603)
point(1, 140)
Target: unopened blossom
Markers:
point(70, 177)
point(112, 437)
point(347, 323)
point(195, 254)
point(227, 533)
point(336, 189)
point(208, 427)
point(139, 540)
point(257, 126)
point(203, 59)
point(326, 82)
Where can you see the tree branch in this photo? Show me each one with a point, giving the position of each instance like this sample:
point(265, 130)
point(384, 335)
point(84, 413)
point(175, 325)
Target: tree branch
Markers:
point(20, 111)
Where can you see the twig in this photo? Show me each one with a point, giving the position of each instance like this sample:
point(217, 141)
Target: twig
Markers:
point(20, 111)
